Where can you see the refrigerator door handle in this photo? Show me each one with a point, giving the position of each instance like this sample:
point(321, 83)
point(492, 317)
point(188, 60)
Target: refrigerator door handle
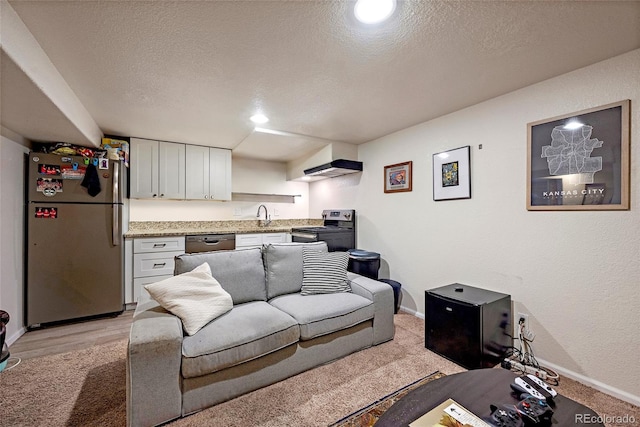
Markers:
point(115, 226)
point(116, 183)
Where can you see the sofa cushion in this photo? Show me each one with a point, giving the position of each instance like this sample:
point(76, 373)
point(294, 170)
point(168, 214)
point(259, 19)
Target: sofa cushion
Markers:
point(283, 263)
point(240, 272)
point(195, 297)
point(325, 313)
point(324, 272)
point(248, 331)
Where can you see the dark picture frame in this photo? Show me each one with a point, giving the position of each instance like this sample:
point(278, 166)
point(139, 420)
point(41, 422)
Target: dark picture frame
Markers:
point(452, 174)
point(580, 161)
point(398, 177)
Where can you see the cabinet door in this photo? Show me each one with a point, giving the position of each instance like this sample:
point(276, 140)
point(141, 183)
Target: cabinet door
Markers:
point(171, 170)
point(158, 244)
point(274, 238)
point(248, 240)
point(197, 172)
point(138, 285)
point(220, 174)
point(154, 264)
point(144, 168)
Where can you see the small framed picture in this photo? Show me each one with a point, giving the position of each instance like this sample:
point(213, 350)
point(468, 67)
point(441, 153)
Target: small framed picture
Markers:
point(398, 177)
point(452, 174)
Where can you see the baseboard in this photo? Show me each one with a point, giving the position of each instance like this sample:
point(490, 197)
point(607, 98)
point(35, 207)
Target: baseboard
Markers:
point(595, 384)
point(13, 338)
point(412, 312)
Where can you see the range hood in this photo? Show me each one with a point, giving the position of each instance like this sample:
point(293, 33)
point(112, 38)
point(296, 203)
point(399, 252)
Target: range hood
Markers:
point(335, 168)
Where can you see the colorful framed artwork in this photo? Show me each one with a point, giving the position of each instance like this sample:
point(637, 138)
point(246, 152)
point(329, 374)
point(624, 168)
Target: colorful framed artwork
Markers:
point(580, 161)
point(398, 177)
point(452, 174)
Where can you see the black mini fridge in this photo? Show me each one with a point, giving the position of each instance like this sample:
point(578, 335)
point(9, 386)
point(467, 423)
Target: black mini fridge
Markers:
point(467, 325)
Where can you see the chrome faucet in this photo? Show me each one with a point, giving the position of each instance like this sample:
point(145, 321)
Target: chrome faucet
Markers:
point(267, 217)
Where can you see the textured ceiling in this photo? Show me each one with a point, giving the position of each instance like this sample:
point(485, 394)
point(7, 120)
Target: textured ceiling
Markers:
point(195, 71)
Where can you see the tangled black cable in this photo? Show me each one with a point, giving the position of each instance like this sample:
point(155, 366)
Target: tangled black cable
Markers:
point(524, 355)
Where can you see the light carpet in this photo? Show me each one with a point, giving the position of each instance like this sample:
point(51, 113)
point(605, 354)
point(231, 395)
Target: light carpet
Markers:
point(370, 414)
point(87, 388)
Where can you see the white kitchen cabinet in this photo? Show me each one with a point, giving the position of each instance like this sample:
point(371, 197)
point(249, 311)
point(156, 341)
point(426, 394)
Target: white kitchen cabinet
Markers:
point(157, 169)
point(143, 168)
point(208, 173)
point(153, 260)
point(275, 238)
point(128, 272)
point(253, 240)
point(171, 170)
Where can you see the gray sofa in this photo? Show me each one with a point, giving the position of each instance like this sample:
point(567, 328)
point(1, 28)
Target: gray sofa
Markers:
point(271, 333)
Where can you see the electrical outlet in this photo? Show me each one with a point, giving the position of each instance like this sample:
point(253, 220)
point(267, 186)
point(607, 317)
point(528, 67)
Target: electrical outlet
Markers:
point(276, 212)
point(526, 319)
point(237, 212)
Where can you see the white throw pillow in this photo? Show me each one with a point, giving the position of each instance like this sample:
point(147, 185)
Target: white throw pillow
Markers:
point(195, 297)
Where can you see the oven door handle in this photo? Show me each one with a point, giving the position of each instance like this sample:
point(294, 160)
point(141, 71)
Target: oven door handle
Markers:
point(304, 235)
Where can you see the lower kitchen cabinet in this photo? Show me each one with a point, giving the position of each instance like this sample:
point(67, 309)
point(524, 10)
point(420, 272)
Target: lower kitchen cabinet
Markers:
point(153, 260)
point(254, 240)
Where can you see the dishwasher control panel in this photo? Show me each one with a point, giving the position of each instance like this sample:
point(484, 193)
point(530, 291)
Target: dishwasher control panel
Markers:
point(210, 242)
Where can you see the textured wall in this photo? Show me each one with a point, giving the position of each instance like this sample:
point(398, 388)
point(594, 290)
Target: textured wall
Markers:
point(575, 273)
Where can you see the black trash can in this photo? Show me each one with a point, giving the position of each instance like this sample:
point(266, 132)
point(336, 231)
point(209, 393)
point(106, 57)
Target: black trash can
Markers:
point(364, 263)
point(397, 292)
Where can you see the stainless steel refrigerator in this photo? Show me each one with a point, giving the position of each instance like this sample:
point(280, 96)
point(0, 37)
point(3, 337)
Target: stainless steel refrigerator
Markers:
point(74, 250)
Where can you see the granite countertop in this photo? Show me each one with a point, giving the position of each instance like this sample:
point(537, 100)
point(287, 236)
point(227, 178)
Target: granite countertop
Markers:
point(182, 228)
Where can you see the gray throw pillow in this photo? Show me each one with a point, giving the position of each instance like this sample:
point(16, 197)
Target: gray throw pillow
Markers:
point(283, 264)
point(324, 272)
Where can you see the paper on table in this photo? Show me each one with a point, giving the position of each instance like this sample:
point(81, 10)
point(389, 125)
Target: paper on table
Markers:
point(454, 412)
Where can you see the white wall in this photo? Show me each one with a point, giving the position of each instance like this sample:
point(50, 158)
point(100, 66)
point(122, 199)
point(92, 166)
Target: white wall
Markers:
point(11, 235)
point(248, 176)
point(576, 273)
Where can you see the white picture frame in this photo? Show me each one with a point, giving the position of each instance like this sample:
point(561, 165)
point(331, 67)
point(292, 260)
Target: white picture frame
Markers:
point(452, 174)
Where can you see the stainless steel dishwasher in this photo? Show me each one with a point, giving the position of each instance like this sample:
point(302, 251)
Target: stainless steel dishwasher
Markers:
point(210, 242)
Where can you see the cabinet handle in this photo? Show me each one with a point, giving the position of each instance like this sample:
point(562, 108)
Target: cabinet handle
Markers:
point(206, 196)
point(155, 195)
point(159, 265)
point(159, 245)
point(162, 195)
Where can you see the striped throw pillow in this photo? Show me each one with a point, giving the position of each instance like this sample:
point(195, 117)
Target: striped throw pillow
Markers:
point(324, 272)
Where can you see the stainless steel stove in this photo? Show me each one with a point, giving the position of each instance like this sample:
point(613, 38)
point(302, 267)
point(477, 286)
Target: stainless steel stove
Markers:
point(339, 230)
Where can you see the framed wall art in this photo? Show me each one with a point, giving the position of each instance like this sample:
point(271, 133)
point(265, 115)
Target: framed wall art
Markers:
point(452, 174)
point(580, 161)
point(398, 177)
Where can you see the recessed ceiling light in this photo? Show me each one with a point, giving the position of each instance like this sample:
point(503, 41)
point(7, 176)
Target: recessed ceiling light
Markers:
point(259, 118)
point(573, 125)
point(373, 11)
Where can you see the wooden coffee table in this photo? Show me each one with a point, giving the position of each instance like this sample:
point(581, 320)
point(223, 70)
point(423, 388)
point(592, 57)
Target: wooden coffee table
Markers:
point(476, 390)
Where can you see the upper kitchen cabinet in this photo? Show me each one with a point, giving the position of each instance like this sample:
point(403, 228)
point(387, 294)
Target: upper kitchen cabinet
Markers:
point(157, 169)
point(208, 173)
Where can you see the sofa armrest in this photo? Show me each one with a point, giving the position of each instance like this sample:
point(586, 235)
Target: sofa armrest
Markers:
point(382, 296)
point(154, 358)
